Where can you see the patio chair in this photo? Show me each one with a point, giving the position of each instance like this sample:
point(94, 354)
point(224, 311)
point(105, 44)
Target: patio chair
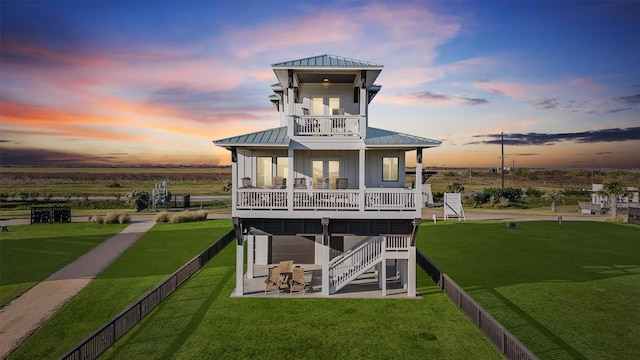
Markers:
point(299, 183)
point(285, 271)
point(298, 282)
point(279, 182)
point(246, 183)
point(322, 183)
point(342, 183)
point(274, 281)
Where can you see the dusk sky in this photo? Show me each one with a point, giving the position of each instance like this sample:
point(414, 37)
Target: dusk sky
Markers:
point(154, 82)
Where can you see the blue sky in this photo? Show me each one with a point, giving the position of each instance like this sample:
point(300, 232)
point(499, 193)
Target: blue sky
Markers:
point(147, 82)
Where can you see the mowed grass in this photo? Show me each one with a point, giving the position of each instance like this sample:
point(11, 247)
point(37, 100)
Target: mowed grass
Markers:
point(31, 253)
point(157, 254)
point(566, 291)
point(201, 321)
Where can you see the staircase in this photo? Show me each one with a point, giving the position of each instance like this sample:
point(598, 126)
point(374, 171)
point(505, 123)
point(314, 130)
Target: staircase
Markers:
point(354, 262)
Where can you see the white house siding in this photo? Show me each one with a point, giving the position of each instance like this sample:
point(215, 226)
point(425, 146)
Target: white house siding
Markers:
point(343, 91)
point(373, 175)
point(349, 163)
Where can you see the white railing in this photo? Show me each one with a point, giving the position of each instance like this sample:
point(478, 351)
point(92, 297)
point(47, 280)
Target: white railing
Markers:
point(257, 199)
point(332, 125)
point(326, 199)
point(354, 262)
point(390, 199)
point(396, 242)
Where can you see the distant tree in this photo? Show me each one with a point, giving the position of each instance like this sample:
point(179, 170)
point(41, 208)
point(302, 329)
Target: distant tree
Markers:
point(24, 195)
point(455, 187)
point(227, 187)
point(613, 189)
point(555, 196)
point(138, 199)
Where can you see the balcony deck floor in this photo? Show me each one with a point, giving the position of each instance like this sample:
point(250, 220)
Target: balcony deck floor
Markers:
point(365, 286)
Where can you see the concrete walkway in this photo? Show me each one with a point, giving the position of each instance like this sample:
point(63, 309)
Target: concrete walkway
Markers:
point(22, 316)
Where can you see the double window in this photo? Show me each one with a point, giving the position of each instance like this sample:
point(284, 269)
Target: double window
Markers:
point(267, 166)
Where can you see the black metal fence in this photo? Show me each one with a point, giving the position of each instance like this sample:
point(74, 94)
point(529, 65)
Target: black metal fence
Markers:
point(103, 338)
point(508, 344)
point(50, 214)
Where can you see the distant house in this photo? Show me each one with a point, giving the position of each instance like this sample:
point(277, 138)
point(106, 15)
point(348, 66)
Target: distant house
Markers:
point(599, 198)
point(325, 188)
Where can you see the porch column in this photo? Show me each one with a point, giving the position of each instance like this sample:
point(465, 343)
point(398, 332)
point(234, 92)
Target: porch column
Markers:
point(383, 268)
point(419, 199)
point(411, 272)
point(290, 111)
point(364, 104)
point(290, 180)
point(325, 256)
point(250, 258)
point(240, 266)
point(234, 179)
point(361, 179)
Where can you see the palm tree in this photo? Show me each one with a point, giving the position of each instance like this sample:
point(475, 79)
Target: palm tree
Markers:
point(554, 196)
point(614, 188)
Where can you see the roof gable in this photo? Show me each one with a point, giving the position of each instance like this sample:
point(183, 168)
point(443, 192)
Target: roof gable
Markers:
point(327, 60)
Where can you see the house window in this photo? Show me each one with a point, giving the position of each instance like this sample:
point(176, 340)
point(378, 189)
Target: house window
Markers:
point(264, 171)
point(390, 169)
point(266, 167)
point(325, 173)
point(282, 167)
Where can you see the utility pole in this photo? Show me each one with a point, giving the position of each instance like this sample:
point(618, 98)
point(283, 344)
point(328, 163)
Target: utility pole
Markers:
point(502, 157)
point(513, 171)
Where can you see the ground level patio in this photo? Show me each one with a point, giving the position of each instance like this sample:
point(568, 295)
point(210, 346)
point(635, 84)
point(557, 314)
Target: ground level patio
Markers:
point(365, 286)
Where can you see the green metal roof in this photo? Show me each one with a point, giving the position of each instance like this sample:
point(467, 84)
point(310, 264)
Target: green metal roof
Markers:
point(278, 137)
point(327, 61)
point(381, 137)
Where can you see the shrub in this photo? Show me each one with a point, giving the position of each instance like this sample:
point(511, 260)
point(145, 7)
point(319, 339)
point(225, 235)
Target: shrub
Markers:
point(124, 218)
point(576, 192)
point(533, 192)
point(96, 219)
point(473, 198)
point(114, 184)
point(512, 194)
point(138, 199)
point(180, 217)
point(111, 218)
point(162, 216)
point(455, 187)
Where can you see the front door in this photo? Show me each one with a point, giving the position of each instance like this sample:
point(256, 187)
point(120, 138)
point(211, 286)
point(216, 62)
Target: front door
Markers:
point(324, 106)
point(325, 173)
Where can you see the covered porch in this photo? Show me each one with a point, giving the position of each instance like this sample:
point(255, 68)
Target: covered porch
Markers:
point(365, 286)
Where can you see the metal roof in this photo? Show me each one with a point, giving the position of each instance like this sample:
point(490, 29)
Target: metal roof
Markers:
point(375, 138)
point(381, 137)
point(275, 136)
point(327, 61)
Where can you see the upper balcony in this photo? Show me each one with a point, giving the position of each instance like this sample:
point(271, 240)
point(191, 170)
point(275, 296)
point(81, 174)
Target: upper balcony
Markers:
point(313, 203)
point(328, 125)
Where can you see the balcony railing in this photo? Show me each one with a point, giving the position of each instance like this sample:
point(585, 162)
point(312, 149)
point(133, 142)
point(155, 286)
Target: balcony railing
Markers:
point(331, 199)
point(333, 125)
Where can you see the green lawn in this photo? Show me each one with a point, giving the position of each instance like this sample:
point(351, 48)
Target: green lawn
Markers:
point(31, 253)
point(569, 291)
point(157, 254)
point(201, 321)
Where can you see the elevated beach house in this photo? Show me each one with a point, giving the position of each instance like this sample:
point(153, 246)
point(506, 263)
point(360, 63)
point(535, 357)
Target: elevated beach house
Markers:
point(325, 188)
